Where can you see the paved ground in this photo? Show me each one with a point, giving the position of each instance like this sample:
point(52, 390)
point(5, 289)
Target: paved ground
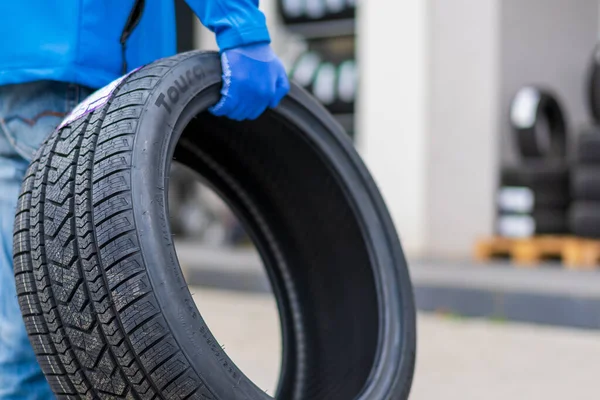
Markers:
point(457, 359)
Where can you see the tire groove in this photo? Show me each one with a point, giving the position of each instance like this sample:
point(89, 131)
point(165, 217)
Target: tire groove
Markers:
point(40, 225)
point(179, 375)
point(142, 324)
point(108, 156)
point(163, 362)
point(134, 301)
point(112, 215)
point(152, 344)
point(126, 279)
point(110, 196)
point(89, 170)
point(121, 259)
point(115, 238)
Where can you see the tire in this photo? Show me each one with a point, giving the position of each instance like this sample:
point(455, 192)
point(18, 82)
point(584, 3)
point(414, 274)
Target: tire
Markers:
point(325, 84)
point(292, 9)
point(534, 185)
point(345, 88)
point(307, 11)
point(348, 82)
point(305, 69)
point(594, 85)
point(540, 222)
point(103, 297)
point(333, 83)
point(584, 219)
point(585, 183)
point(588, 146)
point(539, 124)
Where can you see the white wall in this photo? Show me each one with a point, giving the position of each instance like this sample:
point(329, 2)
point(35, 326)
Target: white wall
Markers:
point(463, 146)
point(393, 114)
point(547, 43)
point(437, 79)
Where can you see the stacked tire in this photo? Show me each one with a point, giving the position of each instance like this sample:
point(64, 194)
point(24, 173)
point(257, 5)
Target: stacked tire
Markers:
point(306, 11)
point(327, 68)
point(333, 83)
point(584, 215)
point(533, 197)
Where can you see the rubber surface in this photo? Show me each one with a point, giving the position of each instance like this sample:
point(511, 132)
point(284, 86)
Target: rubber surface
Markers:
point(539, 124)
point(103, 297)
point(585, 182)
point(540, 222)
point(549, 182)
point(594, 85)
point(306, 11)
point(337, 93)
point(584, 219)
point(588, 146)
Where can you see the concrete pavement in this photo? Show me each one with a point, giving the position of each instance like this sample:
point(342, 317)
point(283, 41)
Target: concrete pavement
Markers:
point(458, 359)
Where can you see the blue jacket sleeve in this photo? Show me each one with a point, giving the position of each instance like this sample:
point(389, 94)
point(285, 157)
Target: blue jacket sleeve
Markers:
point(235, 22)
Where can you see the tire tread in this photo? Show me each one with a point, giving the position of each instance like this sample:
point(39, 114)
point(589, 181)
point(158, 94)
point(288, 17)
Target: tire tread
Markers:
point(88, 305)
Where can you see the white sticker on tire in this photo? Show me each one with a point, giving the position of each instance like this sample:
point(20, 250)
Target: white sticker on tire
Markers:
point(293, 8)
point(324, 87)
point(304, 72)
point(315, 8)
point(516, 199)
point(347, 81)
point(335, 6)
point(517, 226)
point(93, 101)
point(524, 106)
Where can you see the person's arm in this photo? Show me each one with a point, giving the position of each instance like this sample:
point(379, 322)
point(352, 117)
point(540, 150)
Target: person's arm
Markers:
point(235, 23)
point(254, 79)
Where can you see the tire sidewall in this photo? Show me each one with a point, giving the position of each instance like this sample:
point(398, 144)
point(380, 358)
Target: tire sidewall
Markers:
point(528, 141)
point(392, 374)
point(153, 146)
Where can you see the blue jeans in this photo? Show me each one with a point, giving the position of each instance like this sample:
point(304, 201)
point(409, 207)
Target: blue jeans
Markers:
point(28, 113)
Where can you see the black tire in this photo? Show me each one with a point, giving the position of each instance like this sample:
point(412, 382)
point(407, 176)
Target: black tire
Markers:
point(594, 85)
point(539, 124)
point(540, 222)
point(305, 69)
point(343, 92)
point(584, 219)
point(585, 182)
point(347, 86)
point(103, 297)
point(548, 183)
point(588, 146)
point(297, 12)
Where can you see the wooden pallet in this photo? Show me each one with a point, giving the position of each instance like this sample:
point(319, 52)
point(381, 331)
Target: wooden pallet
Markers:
point(574, 252)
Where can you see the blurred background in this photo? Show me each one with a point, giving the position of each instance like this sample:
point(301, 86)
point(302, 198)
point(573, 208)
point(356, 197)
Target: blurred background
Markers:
point(478, 121)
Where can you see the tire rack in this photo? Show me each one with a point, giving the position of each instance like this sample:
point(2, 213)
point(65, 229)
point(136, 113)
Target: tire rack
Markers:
point(330, 35)
point(579, 246)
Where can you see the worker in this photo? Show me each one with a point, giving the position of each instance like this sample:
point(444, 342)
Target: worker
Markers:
point(55, 53)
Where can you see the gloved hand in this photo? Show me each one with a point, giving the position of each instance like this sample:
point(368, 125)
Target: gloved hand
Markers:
point(253, 79)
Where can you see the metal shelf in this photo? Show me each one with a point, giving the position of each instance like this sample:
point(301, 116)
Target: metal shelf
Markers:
point(324, 29)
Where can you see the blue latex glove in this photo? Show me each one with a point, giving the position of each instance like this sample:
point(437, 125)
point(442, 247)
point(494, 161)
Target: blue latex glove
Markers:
point(253, 80)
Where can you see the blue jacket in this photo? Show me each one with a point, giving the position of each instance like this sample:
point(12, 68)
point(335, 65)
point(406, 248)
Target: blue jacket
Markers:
point(78, 41)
